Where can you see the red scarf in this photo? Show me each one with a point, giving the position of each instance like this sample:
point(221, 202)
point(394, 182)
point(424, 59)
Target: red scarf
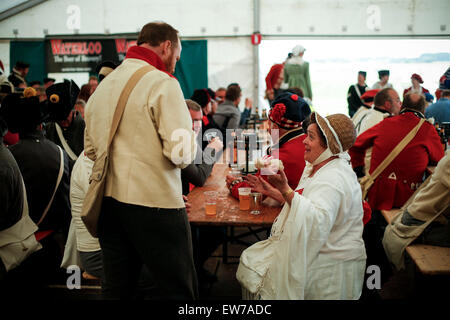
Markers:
point(147, 55)
point(205, 120)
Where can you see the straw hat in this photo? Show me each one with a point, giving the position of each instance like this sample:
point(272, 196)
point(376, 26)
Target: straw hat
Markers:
point(334, 127)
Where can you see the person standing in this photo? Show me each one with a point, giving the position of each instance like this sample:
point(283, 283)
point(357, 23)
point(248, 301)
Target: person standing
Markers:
point(416, 81)
point(296, 72)
point(355, 92)
point(19, 72)
point(274, 80)
point(66, 125)
point(143, 219)
point(384, 80)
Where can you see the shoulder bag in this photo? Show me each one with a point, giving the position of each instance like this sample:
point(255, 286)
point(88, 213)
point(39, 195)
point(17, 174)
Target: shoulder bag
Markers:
point(367, 181)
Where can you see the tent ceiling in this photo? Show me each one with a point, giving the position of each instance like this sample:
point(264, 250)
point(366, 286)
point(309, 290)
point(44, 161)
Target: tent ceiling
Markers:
point(9, 8)
point(231, 18)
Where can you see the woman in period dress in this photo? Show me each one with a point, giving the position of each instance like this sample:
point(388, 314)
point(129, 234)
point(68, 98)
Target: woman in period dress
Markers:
point(321, 253)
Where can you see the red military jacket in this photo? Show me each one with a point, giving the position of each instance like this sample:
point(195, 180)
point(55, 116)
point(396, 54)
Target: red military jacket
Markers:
point(290, 150)
point(402, 177)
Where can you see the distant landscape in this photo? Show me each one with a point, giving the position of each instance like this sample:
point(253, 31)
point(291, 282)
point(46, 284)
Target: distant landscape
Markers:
point(423, 58)
point(334, 65)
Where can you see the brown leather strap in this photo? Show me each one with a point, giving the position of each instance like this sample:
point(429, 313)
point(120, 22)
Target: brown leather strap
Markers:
point(124, 98)
point(395, 152)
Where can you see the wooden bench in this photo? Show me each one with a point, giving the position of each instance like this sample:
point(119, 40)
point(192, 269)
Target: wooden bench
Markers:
point(430, 260)
point(389, 214)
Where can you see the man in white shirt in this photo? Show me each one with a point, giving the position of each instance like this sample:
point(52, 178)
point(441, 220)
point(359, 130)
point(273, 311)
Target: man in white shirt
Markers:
point(387, 103)
point(384, 78)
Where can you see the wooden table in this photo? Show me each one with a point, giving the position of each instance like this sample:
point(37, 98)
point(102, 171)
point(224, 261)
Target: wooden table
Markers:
point(228, 213)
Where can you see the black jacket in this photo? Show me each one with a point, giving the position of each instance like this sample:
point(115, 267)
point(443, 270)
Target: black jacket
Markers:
point(11, 190)
point(74, 135)
point(39, 160)
point(197, 172)
point(15, 78)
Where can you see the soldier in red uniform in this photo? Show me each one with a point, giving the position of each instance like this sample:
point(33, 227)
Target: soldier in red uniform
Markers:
point(287, 114)
point(403, 176)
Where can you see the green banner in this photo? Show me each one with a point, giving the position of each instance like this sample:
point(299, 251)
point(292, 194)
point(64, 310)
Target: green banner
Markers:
point(32, 52)
point(192, 69)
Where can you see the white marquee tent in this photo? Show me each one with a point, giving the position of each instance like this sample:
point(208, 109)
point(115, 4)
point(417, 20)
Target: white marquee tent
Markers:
point(227, 25)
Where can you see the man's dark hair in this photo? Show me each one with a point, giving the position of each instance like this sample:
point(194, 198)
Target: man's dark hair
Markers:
point(445, 93)
point(154, 33)
point(414, 101)
point(233, 93)
point(382, 96)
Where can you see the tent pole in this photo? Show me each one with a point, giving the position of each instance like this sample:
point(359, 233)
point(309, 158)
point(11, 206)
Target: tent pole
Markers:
point(256, 28)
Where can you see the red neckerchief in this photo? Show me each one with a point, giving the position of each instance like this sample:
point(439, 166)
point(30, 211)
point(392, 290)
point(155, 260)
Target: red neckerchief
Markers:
point(191, 187)
point(205, 120)
point(148, 56)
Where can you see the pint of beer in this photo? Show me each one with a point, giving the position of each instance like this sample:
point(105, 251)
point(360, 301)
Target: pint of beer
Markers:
point(244, 198)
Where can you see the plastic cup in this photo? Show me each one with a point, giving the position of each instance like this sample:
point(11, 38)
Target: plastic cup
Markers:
point(255, 202)
point(210, 202)
point(244, 198)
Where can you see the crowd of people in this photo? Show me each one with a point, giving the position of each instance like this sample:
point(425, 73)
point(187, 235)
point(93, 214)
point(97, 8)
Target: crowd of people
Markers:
point(123, 128)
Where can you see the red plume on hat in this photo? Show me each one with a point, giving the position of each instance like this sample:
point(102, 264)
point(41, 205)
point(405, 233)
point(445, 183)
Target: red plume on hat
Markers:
point(277, 112)
point(417, 77)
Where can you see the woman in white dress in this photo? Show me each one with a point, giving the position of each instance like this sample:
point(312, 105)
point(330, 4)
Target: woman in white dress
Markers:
point(321, 253)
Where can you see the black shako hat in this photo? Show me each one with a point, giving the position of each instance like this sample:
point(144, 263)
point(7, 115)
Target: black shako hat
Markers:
point(22, 114)
point(104, 68)
point(61, 99)
point(22, 65)
point(383, 73)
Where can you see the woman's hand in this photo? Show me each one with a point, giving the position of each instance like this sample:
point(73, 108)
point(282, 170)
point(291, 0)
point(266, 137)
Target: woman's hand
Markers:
point(279, 181)
point(257, 185)
point(262, 186)
point(229, 179)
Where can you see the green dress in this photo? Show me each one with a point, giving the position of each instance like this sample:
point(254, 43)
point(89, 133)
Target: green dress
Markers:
point(296, 75)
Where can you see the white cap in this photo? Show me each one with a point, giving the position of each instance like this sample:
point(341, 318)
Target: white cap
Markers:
point(297, 50)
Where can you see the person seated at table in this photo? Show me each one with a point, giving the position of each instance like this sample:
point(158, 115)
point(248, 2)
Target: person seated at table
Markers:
point(363, 111)
point(205, 238)
point(403, 176)
point(321, 253)
point(203, 98)
point(286, 116)
point(426, 219)
point(395, 185)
